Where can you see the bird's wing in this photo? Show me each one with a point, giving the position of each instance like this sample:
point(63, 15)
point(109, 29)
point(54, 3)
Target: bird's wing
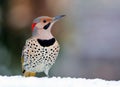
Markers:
point(22, 59)
point(25, 59)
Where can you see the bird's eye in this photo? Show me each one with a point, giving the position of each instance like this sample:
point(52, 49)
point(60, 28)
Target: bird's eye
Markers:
point(44, 21)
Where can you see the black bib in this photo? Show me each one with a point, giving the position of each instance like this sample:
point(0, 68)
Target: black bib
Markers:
point(46, 43)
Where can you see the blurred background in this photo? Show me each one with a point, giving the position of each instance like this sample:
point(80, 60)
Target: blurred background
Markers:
point(89, 36)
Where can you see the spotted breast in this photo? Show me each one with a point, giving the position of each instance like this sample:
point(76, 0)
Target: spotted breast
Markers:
point(40, 55)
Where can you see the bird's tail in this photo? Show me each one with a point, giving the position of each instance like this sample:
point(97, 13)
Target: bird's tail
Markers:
point(28, 74)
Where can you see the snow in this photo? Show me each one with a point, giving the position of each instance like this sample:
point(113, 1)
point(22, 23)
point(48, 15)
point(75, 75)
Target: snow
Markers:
point(20, 81)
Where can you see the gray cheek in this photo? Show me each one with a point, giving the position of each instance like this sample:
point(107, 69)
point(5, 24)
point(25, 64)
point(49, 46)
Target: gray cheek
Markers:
point(34, 31)
point(39, 25)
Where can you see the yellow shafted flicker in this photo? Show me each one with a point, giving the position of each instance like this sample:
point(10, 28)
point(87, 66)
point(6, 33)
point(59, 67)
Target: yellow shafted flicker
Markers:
point(41, 49)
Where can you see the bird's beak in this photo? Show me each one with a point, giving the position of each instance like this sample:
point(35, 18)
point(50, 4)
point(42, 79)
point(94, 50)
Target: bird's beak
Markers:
point(56, 18)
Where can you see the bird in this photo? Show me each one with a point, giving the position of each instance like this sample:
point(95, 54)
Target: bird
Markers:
point(41, 49)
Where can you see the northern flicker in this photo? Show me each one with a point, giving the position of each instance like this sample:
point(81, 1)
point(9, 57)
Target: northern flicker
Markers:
point(41, 49)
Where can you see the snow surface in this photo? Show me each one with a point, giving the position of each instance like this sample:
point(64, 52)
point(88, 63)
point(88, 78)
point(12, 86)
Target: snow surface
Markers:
point(19, 81)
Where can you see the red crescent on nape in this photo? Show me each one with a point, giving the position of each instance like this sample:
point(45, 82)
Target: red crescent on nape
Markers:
point(33, 25)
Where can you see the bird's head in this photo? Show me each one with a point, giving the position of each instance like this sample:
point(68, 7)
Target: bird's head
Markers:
point(44, 23)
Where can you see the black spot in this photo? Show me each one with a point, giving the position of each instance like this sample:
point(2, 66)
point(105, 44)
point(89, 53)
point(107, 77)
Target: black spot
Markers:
point(46, 26)
point(36, 45)
point(23, 71)
point(46, 43)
